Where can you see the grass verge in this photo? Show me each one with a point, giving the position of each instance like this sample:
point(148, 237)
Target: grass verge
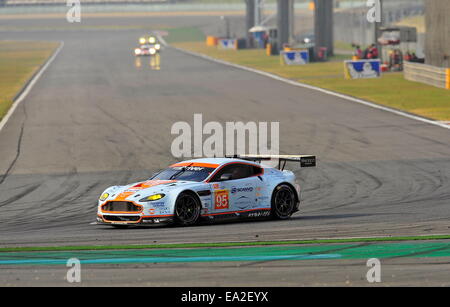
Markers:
point(224, 244)
point(18, 62)
point(391, 90)
point(183, 35)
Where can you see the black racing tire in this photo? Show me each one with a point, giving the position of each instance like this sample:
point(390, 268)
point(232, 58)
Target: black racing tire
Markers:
point(187, 209)
point(283, 202)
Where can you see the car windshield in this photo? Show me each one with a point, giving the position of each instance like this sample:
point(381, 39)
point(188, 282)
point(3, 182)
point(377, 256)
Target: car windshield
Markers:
point(188, 173)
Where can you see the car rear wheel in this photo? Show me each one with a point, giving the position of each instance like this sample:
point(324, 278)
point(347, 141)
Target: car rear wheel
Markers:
point(283, 202)
point(187, 209)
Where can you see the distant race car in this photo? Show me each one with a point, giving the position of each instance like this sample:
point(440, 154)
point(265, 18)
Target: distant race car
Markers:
point(206, 189)
point(146, 50)
point(149, 46)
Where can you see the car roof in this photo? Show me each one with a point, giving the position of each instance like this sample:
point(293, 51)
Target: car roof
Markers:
point(213, 162)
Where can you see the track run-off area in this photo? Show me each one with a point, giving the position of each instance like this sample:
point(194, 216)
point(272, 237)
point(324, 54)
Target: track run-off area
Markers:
point(261, 253)
point(95, 119)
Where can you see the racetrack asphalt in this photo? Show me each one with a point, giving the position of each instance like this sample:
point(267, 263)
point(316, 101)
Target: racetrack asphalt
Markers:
point(95, 119)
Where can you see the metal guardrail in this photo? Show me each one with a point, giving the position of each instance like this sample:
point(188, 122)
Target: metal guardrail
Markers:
point(435, 76)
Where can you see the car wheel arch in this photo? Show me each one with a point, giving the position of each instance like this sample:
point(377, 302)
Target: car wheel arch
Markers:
point(193, 193)
point(297, 197)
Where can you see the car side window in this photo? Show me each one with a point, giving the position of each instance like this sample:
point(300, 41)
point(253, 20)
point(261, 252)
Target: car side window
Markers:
point(256, 170)
point(237, 171)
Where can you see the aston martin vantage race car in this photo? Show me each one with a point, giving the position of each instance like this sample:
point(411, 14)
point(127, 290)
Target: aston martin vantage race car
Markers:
point(206, 189)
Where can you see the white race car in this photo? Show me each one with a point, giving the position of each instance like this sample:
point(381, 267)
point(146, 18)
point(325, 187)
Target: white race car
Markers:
point(208, 189)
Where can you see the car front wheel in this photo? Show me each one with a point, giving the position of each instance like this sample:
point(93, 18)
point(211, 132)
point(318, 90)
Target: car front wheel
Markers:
point(187, 209)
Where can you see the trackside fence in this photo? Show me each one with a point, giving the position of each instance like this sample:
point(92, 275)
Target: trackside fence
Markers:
point(436, 76)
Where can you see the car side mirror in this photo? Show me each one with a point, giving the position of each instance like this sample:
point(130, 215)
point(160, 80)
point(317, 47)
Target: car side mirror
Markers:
point(226, 177)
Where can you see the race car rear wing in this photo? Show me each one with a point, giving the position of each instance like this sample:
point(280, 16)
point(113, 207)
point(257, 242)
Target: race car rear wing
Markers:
point(304, 160)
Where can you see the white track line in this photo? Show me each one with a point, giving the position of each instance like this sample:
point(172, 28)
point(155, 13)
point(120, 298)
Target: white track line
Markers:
point(162, 40)
point(28, 87)
point(295, 83)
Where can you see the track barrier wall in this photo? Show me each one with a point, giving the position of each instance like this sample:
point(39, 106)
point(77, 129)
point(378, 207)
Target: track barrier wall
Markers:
point(431, 75)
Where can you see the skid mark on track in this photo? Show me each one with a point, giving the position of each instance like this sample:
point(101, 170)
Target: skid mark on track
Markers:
point(124, 124)
point(19, 196)
point(376, 186)
point(14, 161)
point(332, 252)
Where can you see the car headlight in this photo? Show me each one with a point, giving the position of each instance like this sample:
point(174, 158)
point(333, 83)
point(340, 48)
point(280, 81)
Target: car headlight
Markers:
point(157, 46)
point(137, 51)
point(153, 197)
point(152, 51)
point(104, 196)
point(152, 40)
point(142, 40)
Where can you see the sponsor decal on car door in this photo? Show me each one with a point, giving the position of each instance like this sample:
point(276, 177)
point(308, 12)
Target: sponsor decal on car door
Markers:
point(243, 193)
point(236, 195)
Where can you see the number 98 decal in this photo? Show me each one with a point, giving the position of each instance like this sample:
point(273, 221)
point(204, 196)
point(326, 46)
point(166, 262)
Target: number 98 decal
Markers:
point(221, 199)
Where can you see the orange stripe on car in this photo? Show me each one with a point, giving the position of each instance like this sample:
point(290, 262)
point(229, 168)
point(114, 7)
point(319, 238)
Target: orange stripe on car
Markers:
point(122, 222)
point(123, 196)
point(151, 183)
point(207, 165)
point(156, 216)
point(230, 212)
